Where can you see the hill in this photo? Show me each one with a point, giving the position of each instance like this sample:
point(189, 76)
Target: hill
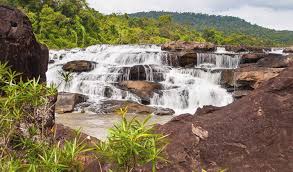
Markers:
point(227, 24)
point(72, 23)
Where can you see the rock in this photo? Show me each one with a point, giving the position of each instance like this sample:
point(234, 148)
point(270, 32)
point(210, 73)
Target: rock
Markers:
point(250, 49)
point(241, 93)
point(78, 66)
point(206, 109)
point(200, 132)
point(67, 101)
point(185, 53)
point(112, 106)
point(252, 58)
point(251, 134)
point(19, 47)
point(108, 92)
point(275, 61)
point(195, 47)
point(51, 61)
point(182, 59)
point(252, 77)
point(227, 78)
point(164, 111)
point(248, 77)
point(143, 89)
point(288, 50)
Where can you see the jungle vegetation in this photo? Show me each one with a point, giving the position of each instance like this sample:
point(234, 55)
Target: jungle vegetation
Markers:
point(72, 23)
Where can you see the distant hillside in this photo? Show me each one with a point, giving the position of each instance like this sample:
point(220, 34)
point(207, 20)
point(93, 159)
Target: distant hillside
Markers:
point(226, 24)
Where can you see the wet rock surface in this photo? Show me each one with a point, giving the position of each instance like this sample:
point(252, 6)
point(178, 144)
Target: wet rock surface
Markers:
point(188, 46)
point(251, 134)
point(67, 101)
point(247, 49)
point(185, 53)
point(143, 89)
point(79, 66)
point(19, 47)
point(112, 106)
point(275, 61)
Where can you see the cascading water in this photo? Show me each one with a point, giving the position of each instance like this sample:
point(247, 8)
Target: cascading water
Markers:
point(185, 89)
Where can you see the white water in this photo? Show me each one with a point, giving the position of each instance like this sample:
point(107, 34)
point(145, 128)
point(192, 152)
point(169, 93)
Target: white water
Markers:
point(184, 89)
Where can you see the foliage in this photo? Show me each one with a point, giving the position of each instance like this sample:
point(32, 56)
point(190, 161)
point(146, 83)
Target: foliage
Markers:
point(66, 78)
point(68, 24)
point(229, 26)
point(132, 143)
point(21, 150)
point(41, 156)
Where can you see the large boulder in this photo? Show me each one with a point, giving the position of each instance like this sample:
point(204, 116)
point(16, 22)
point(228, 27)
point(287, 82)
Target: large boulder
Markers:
point(248, 77)
point(275, 61)
point(79, 66)
point(19, 47)
point(184, 54)
point(196, 47)
point(288, 50)
point(250, 49)
point(143, 89)
point(252, 134)
point(67, 101)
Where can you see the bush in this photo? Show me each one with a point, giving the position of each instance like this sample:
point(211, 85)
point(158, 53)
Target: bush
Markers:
point(132, 143)
point(24, 145)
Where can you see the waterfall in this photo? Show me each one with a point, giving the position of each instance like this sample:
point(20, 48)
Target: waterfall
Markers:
point(213, 60)
point(184, 89)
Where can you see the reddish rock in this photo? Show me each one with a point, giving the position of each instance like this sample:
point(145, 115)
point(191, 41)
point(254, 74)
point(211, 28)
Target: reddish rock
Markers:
point(248, 77)
point(250, 49)
point(19, 47)
point(143, 89)
point(275, 61)
point(254, 133)
point(188, 46)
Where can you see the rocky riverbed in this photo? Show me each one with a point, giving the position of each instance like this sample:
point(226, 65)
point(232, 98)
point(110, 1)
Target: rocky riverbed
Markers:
point(239, 99)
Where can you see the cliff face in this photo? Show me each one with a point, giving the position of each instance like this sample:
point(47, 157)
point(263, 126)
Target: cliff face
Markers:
point(18, 45)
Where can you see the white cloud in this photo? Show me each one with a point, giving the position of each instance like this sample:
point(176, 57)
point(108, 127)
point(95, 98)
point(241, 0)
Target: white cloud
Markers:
point(274, 14)
point(267, 17)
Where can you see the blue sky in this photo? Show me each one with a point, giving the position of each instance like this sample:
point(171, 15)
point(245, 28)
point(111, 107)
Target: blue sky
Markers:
point(275, 14)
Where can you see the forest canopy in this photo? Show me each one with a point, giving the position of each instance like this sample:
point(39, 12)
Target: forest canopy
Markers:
point(72, 23)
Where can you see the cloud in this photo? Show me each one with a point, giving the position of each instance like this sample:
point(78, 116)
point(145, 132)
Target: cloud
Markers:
point(274, 14)
point(263, 16)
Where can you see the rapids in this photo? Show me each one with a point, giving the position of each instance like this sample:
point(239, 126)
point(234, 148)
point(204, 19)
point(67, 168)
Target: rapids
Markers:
point(185, 89)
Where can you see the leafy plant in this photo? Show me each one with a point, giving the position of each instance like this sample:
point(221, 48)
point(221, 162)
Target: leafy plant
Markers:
point(66, 78)
point(132, 143)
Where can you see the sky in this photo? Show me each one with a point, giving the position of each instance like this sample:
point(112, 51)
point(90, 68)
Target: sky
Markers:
point(274, 14)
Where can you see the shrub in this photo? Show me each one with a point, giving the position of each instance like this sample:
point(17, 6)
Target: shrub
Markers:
point(132, 143)
point(23, 145)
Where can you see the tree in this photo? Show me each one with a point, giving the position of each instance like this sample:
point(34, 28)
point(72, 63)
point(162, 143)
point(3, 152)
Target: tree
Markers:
point(214, 36)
